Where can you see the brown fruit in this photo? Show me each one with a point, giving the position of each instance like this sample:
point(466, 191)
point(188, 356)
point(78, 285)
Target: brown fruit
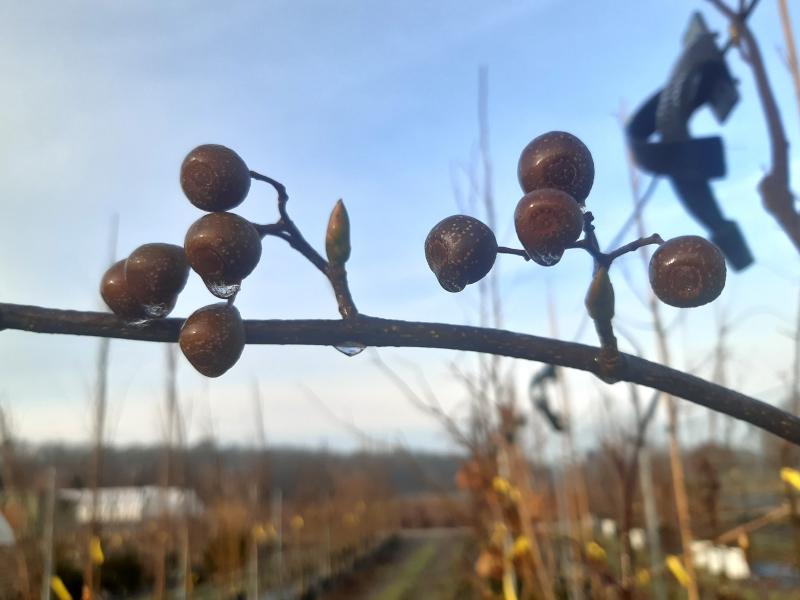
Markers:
point(223, 248)
point(557, 160)
point(547, 221)
point(460, 250)
point(115, 293)
point(214, 178)
point(687, 271)
point(213, 338)
point(155, 275)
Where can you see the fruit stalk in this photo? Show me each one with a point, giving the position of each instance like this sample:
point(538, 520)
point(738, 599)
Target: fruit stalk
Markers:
point(285, 229)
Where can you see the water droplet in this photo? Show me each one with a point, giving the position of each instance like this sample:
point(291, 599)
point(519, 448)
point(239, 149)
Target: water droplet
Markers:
point(544, 258)
point(157, 311)
point(223, 289)
point(350, 348)
point(138, 322)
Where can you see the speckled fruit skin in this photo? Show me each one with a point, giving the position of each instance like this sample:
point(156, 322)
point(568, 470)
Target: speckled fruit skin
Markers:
point(115, 293)
point(460, 250)
point(214, 178)
point(223, 247)
point(547, 221)
point(212, 338)
point(687, 271)
point(557, 160)
point(156, 273)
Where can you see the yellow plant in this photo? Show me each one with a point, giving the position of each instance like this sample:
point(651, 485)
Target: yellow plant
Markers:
point(522, 545)
point(59, 589)
point(791, 476)
point(675, 566)
point(501, 486)
point(595, 551)
point(96, 551)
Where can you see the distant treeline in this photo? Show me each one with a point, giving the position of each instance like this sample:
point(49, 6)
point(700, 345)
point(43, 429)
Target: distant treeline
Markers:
point(209, 468)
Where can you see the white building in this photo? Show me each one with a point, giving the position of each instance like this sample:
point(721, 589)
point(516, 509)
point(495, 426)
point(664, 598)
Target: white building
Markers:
point(131, 504)
point(720, 560)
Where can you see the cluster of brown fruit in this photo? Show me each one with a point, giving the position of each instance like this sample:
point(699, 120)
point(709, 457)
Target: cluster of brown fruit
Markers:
point(222, 247)
point(556, 172)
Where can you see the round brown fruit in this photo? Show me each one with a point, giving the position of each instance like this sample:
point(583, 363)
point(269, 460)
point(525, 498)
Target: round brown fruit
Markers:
point(687, 271)
point(155, 275)
point(213, 338)
point(117, 296)
point(547, 222)
point(460, 250)
point(223, 248)
point(557, 160)
point(214, 178)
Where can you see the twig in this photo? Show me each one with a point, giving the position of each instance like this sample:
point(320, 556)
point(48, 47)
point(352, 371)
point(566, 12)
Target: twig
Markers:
point(286, 230)
point(635, 245)
point(376, 332)
point(504, 250)
point(676, 464)
point(774, 186)
point(430, 406)
point(792, 63)
point(637, 210)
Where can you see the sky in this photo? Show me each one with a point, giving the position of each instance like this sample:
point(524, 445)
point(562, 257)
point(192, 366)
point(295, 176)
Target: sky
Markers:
point(375, 103)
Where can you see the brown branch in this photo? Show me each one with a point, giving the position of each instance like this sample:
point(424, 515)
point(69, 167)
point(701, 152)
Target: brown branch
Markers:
point(774, 188)
point(286, 230)
point(372, 331)
point(635, 245)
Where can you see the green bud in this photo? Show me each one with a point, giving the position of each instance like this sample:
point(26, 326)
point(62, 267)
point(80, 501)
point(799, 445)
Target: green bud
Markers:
point(600, 297)
point(337, 237)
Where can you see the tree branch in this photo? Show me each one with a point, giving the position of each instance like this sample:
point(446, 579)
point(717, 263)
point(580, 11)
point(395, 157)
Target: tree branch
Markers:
point(774, 188)
point(372, 331)
point(285, 229)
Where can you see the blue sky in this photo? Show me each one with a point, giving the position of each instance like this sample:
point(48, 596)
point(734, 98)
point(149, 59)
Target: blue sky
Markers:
point(373, 102)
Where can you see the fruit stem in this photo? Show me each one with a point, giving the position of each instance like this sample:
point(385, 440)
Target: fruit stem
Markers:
point(635, 245)
point(505, 250)
point(285, 229)
point(337, 275)
point(609, 359)
point(590, 244)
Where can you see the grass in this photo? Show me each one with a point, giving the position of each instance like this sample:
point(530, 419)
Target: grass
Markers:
point(409, 574)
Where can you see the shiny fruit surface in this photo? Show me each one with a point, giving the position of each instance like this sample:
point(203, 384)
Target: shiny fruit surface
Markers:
point(223, 248)
point(547, 221)
point(460, 250)
point(115, 293)
point(155, 275)
point(214, 178)
point(687, 271)
point(212, 338)
point(557, 160)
